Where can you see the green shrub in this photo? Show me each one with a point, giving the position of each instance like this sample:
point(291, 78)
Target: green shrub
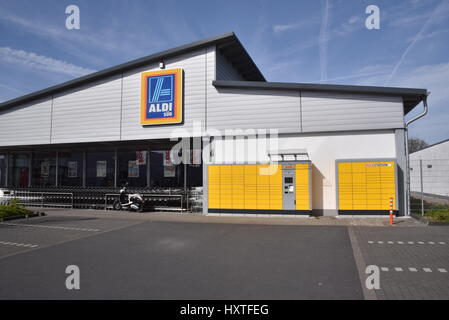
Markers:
point(12, 209)
point(439, 213)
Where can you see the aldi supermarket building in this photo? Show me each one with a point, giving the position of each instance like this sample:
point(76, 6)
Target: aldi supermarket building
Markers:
point(266, 147)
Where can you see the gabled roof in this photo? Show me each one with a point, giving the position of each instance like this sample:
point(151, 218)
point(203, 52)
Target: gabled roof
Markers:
point(411, 97)
point(228, 44)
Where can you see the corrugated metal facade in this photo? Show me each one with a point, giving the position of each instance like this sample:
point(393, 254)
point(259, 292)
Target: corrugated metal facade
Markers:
point(26, 125)
point(109, 110)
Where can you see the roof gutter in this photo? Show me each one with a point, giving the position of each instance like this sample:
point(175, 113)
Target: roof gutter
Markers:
point(407, 156)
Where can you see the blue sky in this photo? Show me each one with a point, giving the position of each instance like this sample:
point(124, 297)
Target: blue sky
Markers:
point(300, 41)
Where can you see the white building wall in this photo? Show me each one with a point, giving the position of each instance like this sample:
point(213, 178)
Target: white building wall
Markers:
point(435, 170)
point(109, 110)
point(89, 113)
point(26, 125)
point(323, 149)
point(322, 111)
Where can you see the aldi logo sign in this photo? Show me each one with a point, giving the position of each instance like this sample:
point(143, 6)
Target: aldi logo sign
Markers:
point(161, 97)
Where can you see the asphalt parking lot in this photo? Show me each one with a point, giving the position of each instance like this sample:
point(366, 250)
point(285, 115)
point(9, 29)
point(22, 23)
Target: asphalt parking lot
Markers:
point(121, 256)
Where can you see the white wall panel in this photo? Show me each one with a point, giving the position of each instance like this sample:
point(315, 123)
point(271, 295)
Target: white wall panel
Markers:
point(230, 108)
point(90, 113)
point(337, 112)
point(26, 125)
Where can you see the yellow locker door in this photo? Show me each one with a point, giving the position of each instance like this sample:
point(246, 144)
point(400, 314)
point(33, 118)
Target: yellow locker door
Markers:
point(276, 189)
point(302, 186)
point(388, 185)
point(250, 181)
point(214, 187)
point(226, 187)
point(373, 189)
point(263, 187)
point(359, 186)
point(238, 187)
point(345, 186)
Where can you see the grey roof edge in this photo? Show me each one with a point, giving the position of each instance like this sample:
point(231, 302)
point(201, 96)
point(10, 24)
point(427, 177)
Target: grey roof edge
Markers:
point(416, 95)
point(229, 36)
point(432, 145)
point(321, 87)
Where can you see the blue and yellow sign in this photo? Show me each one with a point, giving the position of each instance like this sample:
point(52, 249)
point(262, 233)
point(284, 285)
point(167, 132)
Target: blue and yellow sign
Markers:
point(161, 97)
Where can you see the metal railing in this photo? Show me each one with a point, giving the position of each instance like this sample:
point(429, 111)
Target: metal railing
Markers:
point(40, 199)
point(429, 185)
point(155, 199)
point(161, 198)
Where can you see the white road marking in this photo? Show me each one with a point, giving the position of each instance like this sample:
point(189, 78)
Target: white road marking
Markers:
point(402, 242)
point(6, 243)
point(49, 227)
point(412, 269)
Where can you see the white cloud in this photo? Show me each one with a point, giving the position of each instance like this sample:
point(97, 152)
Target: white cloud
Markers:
point(354, 23)
point(39, 62)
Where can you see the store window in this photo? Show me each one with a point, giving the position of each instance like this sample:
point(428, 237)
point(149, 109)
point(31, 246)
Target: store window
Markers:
point(43, 169)
point(163, 173)
point(70, 170)
point(3, 169)
point(100, 168)
point(18, 170)
point(132, 168)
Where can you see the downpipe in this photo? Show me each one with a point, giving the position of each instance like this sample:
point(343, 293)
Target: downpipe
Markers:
point(407, 156)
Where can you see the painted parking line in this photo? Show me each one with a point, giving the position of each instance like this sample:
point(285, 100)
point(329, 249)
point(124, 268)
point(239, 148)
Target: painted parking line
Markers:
point(7, 243)
point(49, 227)
point(407, 242)
point(412, 269)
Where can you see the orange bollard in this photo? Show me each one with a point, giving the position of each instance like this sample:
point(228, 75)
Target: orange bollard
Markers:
point(391, 211)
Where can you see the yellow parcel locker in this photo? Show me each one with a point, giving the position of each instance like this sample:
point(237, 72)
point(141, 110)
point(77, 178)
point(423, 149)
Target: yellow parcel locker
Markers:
point(302, 171)
point(366, 185)
point(238, 187)
point(276, 188)
point(250, 179)
point(214, 186)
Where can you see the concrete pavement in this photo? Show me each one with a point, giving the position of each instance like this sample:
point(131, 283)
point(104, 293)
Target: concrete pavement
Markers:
point(172, 256)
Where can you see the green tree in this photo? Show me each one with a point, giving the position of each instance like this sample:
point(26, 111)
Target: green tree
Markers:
point(416, 144)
